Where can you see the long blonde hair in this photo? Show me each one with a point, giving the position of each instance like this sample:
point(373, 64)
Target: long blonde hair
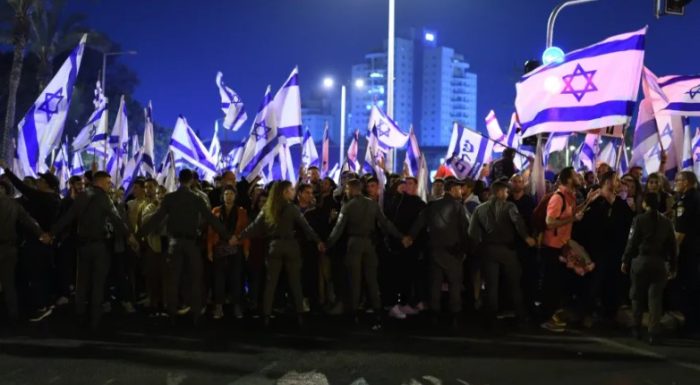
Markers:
point(272, 210)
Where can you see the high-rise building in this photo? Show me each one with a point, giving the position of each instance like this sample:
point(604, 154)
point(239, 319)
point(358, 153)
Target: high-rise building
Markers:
point(449, 95)
point(433, 88)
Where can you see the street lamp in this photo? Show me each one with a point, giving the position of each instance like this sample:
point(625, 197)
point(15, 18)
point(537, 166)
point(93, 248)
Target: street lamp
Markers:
point(555, 13)
point(328, 83)
point(104, 65)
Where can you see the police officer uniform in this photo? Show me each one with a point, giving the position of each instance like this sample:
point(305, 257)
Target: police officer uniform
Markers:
point(651, 244)
point(446, 222)
point(94, 214)
point(358, 220)
point(12, 214)
point(494, 229)
point(283, 252)
point(182, 212)
point(685, 291)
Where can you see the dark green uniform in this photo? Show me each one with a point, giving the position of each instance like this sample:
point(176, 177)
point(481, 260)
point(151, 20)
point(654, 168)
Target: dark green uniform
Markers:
point(358, 220)
point(12, 214)
point(94, 214)
point(283, 252)
point(651, 244)
point(446, 222)
point(183, 211)
point(494, 229)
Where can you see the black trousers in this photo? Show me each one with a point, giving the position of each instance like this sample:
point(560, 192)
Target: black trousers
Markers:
point(93, 267)
point(497, 260)
point(184, 263)
point(66, 260)
point(8, 262)
point(648, 276)
point(228, 278)
point(37, 262)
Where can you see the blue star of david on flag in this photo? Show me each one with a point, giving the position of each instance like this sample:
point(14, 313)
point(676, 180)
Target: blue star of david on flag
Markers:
point(51, 102)
point(694, 91)
point(383, 129)
point(265, 131)
point(588, 87)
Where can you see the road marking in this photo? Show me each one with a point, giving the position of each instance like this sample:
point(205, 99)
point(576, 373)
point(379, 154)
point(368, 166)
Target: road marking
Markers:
point(257, 378)
point(305, 378)
point(644, 352)
point(433, 380)
point(175, 378)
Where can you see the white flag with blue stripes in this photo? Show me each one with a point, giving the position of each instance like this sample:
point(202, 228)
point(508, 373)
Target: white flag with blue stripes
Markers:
point(413, 155)
point(557, 141)
point(231, 105)
point(389, 135)
point(681, 94)
point(593, 87)
point(119, 143)
point(495, 133)
point(61, 167)
point(468, 152)
point(88, 133)
point(585, 156)
point(695, 149)
point(287, 109)
point(39, 132)
point(261, 145)
point(351, 163)
point(309, 153)
point(687, 153)
point(77, 167)
point(215, 145)
point(147, 165)
point(186, 146)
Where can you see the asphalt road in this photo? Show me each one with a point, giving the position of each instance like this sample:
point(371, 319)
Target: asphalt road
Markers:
point(332, 351)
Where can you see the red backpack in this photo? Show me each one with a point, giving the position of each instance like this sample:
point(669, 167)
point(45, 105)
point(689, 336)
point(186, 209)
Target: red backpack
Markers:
point(539, 215)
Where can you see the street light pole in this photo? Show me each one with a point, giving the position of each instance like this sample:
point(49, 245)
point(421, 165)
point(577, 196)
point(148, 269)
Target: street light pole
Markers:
point(390, 75)
point(104, 65)
point(555, 13)
point(342, 123)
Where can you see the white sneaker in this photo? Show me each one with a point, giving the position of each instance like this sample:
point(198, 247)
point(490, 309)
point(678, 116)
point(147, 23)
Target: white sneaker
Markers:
point(184, 310)
point(305, 306)
point(408, 310)
point(218, 312)
point(62, 301)
point(395, 312)
point(128, 307)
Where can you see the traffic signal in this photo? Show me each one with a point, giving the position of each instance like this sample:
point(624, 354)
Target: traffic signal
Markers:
point(671, 7)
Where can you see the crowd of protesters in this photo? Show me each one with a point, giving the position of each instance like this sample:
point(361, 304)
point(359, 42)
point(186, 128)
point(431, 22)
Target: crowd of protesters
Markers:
point(598, 249)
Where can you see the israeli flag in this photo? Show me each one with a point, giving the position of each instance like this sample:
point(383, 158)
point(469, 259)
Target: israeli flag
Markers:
point(77, 168)
point(325, 151)
point(556, 142)
point(309, 154)
point(215, 145)
point(61, 167)
point(168, 177)
point(389, 135)
point(147, 165)
point(130, 172)
point(119, 143)
point(261, 146)
point(513, 140)
point(608, 155)
point(231, 105)
point(495, 133)
point(423, 180)
point(372, 154)
point(351, 163)
point(468, 152)
point(287, 109)
point(681, 95)
point(334, 173)
point(413, 155)
point(41, 128)
point(282, 168)
point(233, 158)
point(696, 151)
point(687, 154)
point(593, 87)
point(135, 145)
point(585, 156)
point(187, 147)
point(646, 134)
point(88, 133)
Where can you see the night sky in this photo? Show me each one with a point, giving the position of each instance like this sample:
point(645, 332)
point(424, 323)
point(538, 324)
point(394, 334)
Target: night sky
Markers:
point(182, 43)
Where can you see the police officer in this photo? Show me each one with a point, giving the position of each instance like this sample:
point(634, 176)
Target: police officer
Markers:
point(446, 222)
point(650, 246)
point(686, 290)
point(12, 214)
point(358, 219)
point(494, 228)
point(182, 211)
point(92, 211)
point(277, 222)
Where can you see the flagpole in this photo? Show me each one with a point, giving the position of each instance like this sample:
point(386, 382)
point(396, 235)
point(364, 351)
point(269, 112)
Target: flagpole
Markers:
point(390, 74)
point(342, 123)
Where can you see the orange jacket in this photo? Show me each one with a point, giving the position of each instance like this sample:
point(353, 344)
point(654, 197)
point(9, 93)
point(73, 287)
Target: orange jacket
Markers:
point(241, 223)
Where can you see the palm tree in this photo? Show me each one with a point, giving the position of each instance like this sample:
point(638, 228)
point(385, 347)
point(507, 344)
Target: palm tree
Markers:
point(21, 24)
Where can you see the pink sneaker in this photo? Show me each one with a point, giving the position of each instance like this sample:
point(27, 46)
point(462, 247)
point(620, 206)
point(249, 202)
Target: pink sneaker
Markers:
point(395, 312)
point(408, 310)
